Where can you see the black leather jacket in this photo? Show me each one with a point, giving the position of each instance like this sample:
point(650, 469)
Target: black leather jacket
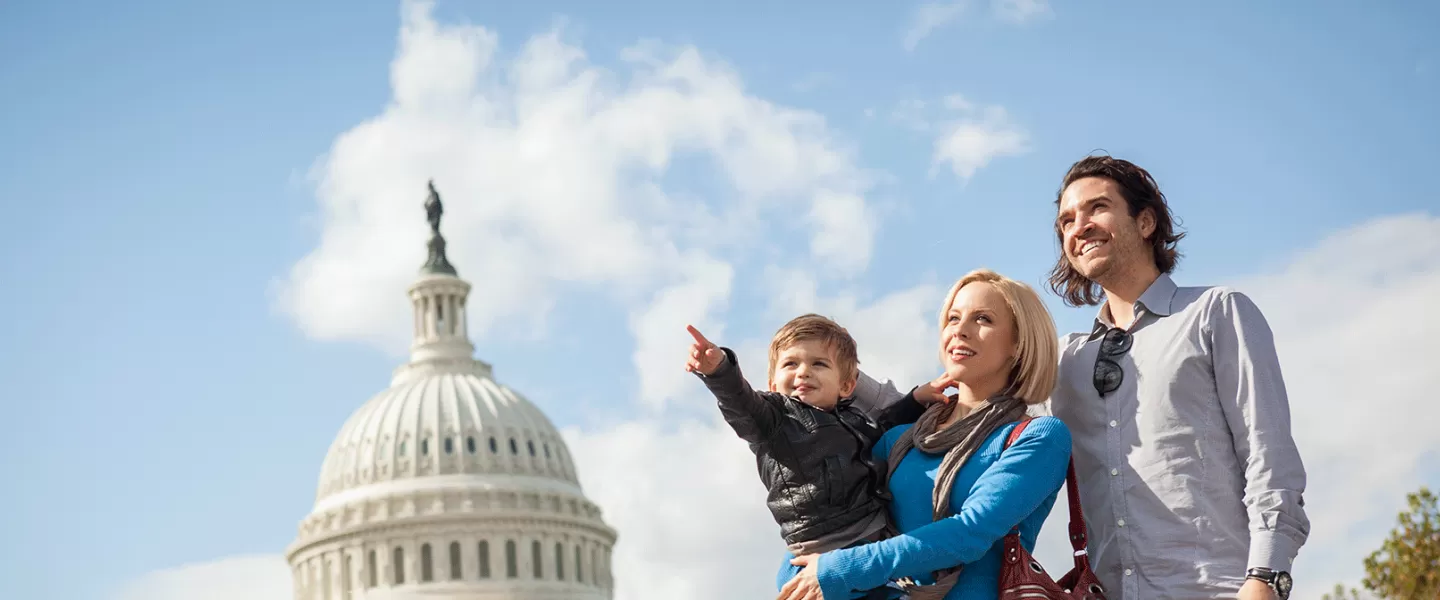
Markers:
point(815, 463)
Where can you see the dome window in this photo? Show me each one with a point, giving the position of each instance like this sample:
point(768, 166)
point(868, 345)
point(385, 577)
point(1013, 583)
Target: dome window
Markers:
point(514, 449)
point(399, 566)
point(449, 446)
point(454, 561)
point(511, 568)
point(537, 559)
point(547, 450)
point(427, 567)
point(371, 571)
point(345, 576)
point(494, 448)
point(470, 444)
point(559, 561)
point(402, 449)
point(531, 444)
point(424, 447)
point(484, 559)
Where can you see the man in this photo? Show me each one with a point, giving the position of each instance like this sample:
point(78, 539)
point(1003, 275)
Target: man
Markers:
point(1189, 477)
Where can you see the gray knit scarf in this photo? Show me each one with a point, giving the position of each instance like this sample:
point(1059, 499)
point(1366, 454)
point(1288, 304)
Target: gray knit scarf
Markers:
point(958, 441)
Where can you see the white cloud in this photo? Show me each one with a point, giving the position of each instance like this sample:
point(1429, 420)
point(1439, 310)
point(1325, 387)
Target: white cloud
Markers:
point(969, 143)
point(845, 232)
point(659, 329)
point(551, 170)
point(260, 577)
point(968, 136)
point(911, 114)
point(932, 16)
point(958, 102)
point(928, 17)
point(1022, 11)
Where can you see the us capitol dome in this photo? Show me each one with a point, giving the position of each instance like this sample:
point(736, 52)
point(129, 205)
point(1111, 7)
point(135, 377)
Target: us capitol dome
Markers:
point(449, 485)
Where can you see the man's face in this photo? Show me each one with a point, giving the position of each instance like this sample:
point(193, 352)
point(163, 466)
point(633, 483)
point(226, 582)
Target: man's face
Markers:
point(1097, 233)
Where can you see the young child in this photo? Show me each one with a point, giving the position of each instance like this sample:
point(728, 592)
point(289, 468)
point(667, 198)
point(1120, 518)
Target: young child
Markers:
point(811, 444)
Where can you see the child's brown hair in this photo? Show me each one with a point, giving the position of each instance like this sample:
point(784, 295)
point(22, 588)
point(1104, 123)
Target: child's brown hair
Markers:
point(824, 330)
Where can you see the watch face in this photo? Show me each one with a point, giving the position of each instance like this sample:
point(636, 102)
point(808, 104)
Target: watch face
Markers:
point(1283, 583)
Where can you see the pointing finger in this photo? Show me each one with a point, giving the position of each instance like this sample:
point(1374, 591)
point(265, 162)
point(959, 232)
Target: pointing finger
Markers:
point(695, 333)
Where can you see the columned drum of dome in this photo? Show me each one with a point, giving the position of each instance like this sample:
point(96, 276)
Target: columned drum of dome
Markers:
point(447, 484)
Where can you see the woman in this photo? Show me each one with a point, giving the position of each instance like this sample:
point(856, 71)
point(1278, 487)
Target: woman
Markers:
point(955, 494)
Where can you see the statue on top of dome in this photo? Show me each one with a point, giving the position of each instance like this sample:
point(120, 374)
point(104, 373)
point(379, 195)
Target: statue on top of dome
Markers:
point(436, 261)
point(433, 208)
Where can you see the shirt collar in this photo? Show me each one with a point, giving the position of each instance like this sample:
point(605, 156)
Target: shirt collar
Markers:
point(1157, 300)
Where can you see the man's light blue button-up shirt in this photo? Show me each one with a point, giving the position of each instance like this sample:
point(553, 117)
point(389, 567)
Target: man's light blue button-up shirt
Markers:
point(1188, 472)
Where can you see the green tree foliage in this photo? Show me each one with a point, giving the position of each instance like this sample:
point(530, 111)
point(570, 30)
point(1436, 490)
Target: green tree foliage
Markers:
point(1407, 566)
point(1340, 593)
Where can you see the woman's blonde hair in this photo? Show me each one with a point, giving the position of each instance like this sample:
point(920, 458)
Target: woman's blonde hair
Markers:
point(1037, 349)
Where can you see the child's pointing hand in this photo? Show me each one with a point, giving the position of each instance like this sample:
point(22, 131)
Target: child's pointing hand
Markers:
point(705, 357)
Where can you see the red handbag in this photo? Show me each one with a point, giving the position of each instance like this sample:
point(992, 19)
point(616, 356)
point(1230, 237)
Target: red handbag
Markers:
point(1021, 576)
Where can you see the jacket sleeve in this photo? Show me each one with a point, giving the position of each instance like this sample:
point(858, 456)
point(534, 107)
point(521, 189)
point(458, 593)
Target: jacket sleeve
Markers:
point(872, 396)
point(754, 415)
point(1021, 480)
point(904, 411)
point(1253, 399)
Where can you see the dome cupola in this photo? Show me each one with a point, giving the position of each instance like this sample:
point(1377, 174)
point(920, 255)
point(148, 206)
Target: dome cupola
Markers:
point(448, 484)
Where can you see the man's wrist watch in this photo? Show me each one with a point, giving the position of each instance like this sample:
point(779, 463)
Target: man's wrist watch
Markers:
point(1277, 580)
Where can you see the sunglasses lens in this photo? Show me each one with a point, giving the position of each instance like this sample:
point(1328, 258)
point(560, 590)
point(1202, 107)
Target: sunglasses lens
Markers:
point(1117, 341)
point(1107, 376)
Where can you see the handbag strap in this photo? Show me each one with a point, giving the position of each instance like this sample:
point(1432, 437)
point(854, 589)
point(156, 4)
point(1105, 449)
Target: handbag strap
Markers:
point(1078, 539)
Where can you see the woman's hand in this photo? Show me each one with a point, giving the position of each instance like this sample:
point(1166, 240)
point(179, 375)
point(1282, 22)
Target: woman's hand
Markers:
point(933, 391)
point(805, 585)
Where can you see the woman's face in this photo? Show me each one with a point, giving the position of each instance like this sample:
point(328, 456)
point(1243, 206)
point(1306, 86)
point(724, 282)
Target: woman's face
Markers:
point(978, 340)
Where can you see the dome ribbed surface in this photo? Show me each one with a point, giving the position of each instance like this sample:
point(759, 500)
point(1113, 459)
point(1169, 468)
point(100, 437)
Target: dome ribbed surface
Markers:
point(443, 424)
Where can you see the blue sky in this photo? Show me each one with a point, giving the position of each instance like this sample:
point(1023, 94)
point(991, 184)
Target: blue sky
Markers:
point(161, 167)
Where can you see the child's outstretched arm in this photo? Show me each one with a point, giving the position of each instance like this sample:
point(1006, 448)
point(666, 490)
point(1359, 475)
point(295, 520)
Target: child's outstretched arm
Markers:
point(753, 415)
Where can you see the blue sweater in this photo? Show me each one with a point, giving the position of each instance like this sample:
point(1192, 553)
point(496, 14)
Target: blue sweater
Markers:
point(992, 493)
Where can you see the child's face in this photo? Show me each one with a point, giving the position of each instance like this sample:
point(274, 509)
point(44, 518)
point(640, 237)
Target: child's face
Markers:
point(807, 370)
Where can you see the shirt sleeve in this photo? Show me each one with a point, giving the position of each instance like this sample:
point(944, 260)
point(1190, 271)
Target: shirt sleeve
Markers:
point(1014, 486)
point(754, 415)
point(873, 396)
point(1257, 410)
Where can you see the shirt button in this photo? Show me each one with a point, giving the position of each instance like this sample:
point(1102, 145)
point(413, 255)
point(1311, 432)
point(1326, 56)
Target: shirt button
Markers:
point(1128, 571)
point(1114, 471)
point(1121, 522)
point(1113, 423)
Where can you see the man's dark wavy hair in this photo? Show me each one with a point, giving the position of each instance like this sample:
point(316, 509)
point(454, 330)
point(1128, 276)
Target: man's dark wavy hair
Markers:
point(1140, 192)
